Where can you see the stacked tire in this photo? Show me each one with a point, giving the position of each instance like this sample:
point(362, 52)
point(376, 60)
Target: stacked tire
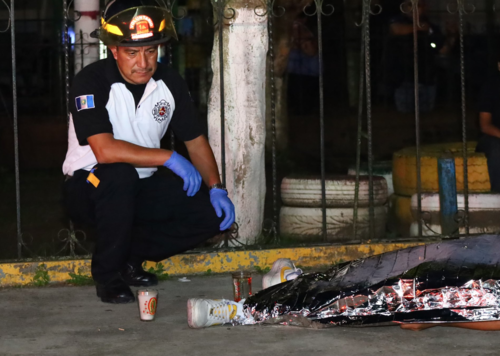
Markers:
point(379, 168)
point(405, 178)
point(301, 215)
point(484, 214)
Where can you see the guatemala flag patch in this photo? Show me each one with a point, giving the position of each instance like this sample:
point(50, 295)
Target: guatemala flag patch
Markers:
point(84, 102)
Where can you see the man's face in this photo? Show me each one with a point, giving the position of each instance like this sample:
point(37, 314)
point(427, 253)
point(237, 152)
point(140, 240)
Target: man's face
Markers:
point(136, 64)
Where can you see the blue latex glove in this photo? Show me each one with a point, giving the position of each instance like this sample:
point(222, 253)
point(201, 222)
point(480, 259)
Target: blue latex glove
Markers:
point(184, 169)
point(221, 202)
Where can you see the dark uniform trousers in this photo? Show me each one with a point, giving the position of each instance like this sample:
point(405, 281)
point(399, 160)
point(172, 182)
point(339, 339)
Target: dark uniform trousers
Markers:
point(490, 146)
point(137, 219)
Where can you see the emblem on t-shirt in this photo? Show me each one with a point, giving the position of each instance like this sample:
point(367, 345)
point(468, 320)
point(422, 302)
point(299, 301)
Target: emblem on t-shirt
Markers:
point(161, 111)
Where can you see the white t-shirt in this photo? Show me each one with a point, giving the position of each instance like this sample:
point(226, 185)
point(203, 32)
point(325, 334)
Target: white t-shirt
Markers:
point(101, 101)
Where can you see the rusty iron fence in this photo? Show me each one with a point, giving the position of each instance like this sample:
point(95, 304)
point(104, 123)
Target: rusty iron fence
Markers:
point(71, 240)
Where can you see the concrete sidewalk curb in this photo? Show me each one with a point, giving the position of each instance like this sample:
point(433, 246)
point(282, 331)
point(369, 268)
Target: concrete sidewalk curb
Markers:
point(22, 273)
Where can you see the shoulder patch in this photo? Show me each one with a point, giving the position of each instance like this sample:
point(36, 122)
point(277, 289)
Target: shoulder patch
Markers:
point(84, 102)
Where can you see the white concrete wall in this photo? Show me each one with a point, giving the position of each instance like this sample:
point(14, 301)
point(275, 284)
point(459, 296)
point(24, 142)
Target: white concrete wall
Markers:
point(245, 50)
point(86, 48)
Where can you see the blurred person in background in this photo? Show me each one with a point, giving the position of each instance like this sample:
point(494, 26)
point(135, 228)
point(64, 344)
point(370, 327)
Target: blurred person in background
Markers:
point(303, 68)
point(489, 123)
point(399, 59)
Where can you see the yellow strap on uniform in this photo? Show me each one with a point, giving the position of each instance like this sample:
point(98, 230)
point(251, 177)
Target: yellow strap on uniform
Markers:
point(93, 179)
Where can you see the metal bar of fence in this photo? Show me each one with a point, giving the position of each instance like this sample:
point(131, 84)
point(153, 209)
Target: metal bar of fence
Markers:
point(66, 41)
point(319, 13)
point(416, 25)
point(16, 130)
point(170, 55)
point(270, 23)
point(81, 49)
point(366, 12)
point(360, 125)
point(461, 11)
point(170, 63)
point(220, 16)
point(220, 7)
point(66, 57)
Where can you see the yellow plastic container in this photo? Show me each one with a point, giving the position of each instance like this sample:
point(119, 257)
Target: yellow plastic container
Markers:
point(405, 168)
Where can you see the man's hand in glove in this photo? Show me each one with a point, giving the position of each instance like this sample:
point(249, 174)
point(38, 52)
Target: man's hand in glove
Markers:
point(184, 169)
point(221, 202)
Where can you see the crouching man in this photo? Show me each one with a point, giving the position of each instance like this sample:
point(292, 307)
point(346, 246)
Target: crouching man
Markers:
point(121, 108)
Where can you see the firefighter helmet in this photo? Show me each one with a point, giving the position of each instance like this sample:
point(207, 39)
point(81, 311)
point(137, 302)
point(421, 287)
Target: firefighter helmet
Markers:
point(131, 23)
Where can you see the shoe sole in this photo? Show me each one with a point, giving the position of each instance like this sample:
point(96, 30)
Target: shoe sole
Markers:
point(274, 269)
point(115, 301)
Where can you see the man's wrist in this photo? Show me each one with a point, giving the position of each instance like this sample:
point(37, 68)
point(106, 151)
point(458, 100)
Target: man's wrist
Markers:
point(168, 162)
point(218, 186)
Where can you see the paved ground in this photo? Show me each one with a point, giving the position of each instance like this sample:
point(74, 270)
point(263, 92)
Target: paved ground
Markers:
point(71, 321)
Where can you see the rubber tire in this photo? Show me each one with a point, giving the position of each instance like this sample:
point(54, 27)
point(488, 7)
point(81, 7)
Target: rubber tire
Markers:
point(306, 223)
point(484, 212)
point(306, 192)
point(477, 202)
point(435, 230)
point(381, 168)
point(405, 171)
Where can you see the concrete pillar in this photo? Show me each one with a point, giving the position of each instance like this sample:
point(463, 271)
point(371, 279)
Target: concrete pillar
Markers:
point(245, 43)
point(86, 48)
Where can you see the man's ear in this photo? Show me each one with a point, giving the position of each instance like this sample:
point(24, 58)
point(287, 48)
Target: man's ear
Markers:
point(114, 50)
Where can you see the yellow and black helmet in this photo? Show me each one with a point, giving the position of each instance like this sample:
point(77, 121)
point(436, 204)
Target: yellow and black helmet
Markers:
point(132, 23)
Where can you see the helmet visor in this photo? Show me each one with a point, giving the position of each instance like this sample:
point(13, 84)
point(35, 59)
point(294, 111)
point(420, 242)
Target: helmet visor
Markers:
point(138, 26)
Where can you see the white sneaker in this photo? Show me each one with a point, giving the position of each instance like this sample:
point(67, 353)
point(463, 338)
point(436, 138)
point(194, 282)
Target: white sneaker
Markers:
point(208, 312)
point(283, 270)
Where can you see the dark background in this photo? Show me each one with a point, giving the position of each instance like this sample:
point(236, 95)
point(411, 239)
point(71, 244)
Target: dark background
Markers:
point(42, 119)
